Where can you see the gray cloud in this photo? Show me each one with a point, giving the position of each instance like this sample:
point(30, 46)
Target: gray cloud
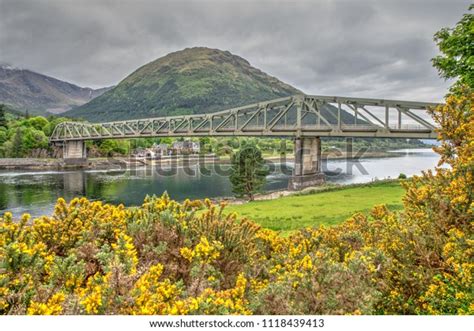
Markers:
point(362, 48)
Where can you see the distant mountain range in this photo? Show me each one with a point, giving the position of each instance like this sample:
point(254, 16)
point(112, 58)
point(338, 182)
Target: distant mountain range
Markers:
point(26, 90)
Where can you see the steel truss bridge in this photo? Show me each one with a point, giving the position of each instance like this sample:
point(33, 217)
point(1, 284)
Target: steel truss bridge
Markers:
point(294, 116)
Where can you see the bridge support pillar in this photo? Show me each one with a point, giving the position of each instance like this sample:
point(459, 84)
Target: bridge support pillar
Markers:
point(308, 170)
point(74, 151)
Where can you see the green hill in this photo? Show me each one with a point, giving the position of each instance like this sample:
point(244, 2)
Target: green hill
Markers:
point(193, 80)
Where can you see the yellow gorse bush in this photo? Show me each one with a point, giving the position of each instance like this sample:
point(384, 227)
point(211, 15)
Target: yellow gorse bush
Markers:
point(164, 257)
point(154, 296)
point(204, 251)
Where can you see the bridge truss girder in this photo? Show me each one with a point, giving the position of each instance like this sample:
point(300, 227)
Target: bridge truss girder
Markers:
point(294, 116)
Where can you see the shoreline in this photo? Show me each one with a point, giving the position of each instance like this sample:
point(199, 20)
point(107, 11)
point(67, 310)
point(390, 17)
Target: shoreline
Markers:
point(273, 195)
point(120, 163)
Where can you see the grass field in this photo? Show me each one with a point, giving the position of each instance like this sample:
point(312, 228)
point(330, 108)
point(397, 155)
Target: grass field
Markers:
point(324, 208)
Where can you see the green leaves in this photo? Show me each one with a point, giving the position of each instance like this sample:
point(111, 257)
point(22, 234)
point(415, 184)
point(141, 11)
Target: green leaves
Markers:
point(248, 171)
point(457, 48)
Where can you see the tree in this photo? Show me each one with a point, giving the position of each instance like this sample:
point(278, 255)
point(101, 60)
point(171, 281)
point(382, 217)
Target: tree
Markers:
point(32, 139)
point(205, 145)
point(17, 146)
point(3, 142)
point(457, 48)
point(248, 171)
point(109, 147)
point(166, 140)
point(38, 122)
point(3, 119)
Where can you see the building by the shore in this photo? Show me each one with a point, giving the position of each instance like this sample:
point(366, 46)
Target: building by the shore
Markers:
point(185, 147)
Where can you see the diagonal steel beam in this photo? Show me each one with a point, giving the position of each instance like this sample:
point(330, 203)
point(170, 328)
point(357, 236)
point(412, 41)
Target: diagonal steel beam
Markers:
point(372, 115)
point(318, 113)
point(282, 112)
point(147, 125)
point(416, 118)
point(224, 122)
point(256, 113)
point(354, 108)
point(162, 125)
point(201, 124)
point(69, 130)
point(180, 124)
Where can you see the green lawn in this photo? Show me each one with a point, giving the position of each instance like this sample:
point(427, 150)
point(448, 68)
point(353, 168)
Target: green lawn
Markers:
point(328, 208)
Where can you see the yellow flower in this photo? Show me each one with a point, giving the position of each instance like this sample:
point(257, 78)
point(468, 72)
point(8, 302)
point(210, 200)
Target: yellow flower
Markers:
point(126, 252)
point(204, 251)
point(92, 297)
point(187, 253)
point(211, 278)
point(52, 307)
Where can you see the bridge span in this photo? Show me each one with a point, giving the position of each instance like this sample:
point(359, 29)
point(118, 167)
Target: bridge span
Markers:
point(306, 118)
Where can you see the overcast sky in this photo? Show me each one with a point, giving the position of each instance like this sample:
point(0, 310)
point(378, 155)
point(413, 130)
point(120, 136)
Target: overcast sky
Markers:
point(359, 48)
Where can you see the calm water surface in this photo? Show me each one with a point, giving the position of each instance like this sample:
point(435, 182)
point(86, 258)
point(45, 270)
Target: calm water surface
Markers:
point(35, 192)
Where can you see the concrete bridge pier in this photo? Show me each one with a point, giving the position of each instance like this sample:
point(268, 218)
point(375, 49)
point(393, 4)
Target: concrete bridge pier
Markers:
point(308, 170)
point(74, 151)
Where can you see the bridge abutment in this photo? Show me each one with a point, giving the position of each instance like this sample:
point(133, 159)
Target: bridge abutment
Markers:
point(75, 151)
point(307, 171)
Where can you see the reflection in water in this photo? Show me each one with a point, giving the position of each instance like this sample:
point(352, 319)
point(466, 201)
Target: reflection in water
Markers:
point(36, 192)
point(75, 183)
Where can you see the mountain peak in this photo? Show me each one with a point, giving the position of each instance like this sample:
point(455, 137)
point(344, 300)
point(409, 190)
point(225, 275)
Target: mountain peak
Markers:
point(202, 53)
point(192, 80)
point(193, 58)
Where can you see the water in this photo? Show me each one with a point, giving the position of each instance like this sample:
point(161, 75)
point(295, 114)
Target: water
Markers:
point(35, 192)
